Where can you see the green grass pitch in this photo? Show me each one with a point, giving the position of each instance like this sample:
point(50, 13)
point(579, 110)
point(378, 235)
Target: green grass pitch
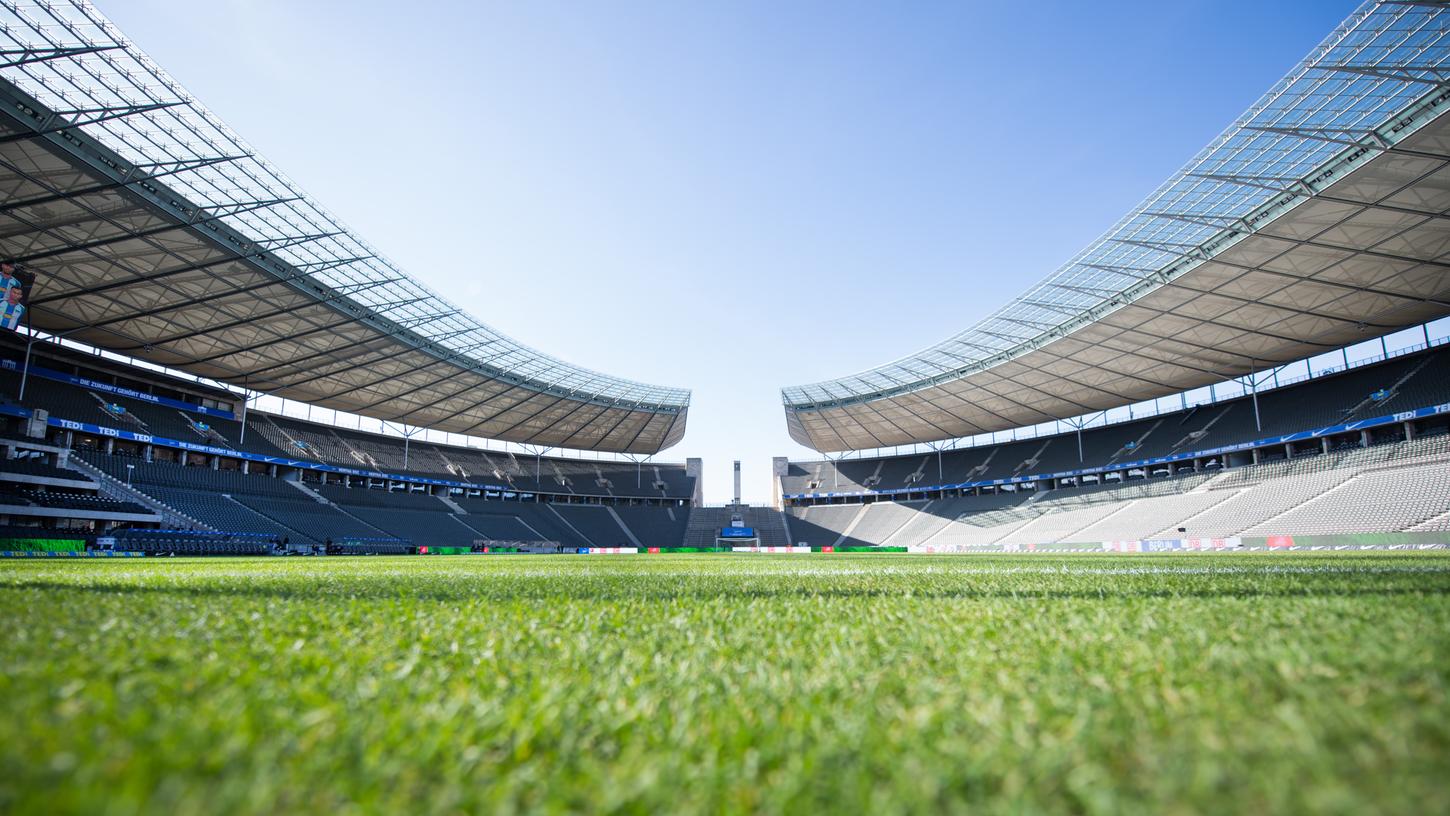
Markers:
point(677, 684)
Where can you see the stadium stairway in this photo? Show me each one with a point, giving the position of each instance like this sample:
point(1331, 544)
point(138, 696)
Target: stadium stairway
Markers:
point(108, 485)
point(705, 524)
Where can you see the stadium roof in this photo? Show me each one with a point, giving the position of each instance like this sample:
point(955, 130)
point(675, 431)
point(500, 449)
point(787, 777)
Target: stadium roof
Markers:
point(1316, 220)
point(155, 232)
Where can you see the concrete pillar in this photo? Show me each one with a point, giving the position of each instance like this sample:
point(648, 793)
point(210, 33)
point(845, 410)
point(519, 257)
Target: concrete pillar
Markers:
point(779, 467)
point(695, 467)
point(1409, 431)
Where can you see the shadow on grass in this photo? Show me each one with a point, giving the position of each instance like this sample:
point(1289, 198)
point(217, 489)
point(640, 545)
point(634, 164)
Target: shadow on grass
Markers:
point(555, 593)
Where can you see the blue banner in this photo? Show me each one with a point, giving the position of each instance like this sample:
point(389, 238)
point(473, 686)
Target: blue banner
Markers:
point(96, 385)
point(148, 439)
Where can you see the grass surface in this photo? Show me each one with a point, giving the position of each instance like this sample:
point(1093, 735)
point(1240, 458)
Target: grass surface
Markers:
point(873, 683)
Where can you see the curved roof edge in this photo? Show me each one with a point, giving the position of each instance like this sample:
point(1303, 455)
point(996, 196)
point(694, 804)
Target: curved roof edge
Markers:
point(73, 60)
point(1361, 91)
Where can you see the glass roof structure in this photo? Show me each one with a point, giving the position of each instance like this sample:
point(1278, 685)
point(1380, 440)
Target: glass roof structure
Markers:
point(1375, 81)
point(96, 126)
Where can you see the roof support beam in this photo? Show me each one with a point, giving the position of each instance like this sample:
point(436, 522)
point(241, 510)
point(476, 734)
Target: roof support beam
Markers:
point(129, 179)
point(1401, 73)
point(65, 120)
point(1365, 139)
point(322, 266)
point(1274, 184)
point(16, 57)
point(133, 235)
point(1053, 307)
point(1137, 273)
point(414, 322)
point(288, 241)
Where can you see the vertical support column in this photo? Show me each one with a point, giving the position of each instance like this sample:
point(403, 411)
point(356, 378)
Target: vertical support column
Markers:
point(1409, 431)
point(25, 369)
point(1254, 385)
point(242, 437)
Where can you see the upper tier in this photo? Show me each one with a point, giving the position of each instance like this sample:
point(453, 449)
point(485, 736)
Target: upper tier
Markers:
point(154, 231)
point(1406, 383)
point(184, 414)
point(1316, 220)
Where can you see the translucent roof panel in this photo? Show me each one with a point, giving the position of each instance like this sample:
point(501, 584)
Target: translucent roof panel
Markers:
point(1381, 61)
point(72, 60)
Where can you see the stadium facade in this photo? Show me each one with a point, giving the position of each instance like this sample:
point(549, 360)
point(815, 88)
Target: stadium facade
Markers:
point(167, 273)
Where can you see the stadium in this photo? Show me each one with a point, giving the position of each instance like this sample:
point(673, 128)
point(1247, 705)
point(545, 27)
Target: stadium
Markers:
point(285, 529)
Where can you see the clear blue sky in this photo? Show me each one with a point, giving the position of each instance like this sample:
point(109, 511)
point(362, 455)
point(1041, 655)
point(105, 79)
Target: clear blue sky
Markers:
point(729, 197)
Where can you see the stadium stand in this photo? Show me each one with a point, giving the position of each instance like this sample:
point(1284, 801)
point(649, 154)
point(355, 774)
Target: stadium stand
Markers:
point(1391, 487)
point(1400, 384)
point(58, 500)
point(311, 514)
point(296, 439)
point(1222, 275)
point(705, 524)
point(40, 492)
point(656, 529)
point(191, 543)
